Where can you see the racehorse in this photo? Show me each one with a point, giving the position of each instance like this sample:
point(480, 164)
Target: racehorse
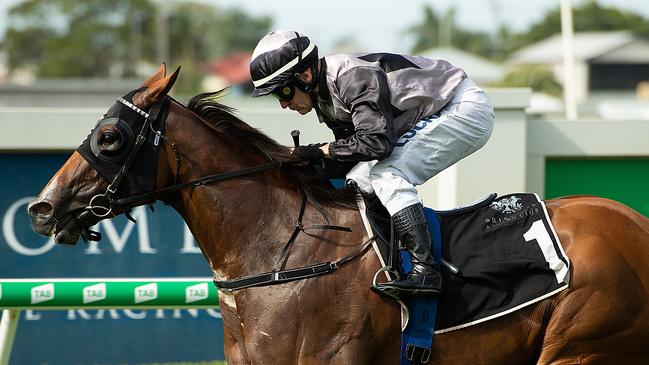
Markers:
point(242, 224)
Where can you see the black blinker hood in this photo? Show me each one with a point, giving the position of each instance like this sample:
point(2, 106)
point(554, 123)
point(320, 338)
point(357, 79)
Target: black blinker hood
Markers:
point(141, 177)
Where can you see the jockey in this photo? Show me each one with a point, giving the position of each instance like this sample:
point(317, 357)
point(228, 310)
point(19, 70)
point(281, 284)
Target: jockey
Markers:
point(401, 119)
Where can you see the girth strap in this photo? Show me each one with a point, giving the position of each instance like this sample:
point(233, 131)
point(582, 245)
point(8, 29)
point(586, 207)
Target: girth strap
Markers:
point(275, 277)
point(284, 276)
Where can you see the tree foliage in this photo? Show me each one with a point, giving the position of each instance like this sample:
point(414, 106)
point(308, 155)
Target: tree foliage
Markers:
point(107, 38)
point(199, 33)
point(537, 77)
point(70, 38)
point(437, 30)
point(442, 31)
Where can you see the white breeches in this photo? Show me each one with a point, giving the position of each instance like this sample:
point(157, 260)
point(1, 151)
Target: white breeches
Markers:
point(436, 142)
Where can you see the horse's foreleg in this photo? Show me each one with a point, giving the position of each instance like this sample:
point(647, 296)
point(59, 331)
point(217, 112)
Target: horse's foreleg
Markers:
point(233, 344)
point(377, 339)
point(233, 350)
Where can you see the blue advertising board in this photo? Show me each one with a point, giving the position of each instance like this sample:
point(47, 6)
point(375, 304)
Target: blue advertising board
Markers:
point(159, 245)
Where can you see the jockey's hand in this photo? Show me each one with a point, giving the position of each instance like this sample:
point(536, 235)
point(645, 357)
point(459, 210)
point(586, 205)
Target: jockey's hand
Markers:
point(312, 152)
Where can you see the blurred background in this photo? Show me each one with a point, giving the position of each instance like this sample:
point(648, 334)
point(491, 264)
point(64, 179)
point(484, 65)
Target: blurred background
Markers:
point(499, 42)
point(572, 117)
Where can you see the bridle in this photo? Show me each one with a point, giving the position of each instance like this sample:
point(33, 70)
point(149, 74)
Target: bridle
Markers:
point(102, 211)
point(104, 204)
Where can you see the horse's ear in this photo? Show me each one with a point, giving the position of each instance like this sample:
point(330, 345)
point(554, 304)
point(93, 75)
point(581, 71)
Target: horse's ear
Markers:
point(162, 72)
point(155, 91)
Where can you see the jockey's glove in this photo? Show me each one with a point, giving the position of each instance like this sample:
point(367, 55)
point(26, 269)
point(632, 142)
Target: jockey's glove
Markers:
point(310, 152)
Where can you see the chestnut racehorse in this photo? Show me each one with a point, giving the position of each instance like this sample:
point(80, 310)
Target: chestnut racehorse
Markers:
point(243, 223)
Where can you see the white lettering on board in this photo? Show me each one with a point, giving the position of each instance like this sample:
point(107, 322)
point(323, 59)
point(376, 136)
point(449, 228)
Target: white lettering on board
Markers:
point(189, 243)
point(117, 240)
point(135, 314)
point(32, 315)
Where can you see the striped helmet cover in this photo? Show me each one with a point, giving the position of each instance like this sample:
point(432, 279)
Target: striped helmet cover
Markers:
point(277, 57)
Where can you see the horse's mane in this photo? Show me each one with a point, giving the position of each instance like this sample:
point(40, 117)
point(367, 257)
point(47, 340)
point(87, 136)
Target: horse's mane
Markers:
point(221, 118)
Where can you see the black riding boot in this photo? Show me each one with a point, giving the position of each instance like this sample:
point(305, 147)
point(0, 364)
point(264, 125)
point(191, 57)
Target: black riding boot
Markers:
point(424, 279)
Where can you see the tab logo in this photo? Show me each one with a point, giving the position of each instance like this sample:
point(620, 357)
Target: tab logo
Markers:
point(196, 292)
point(94, 293)
point(42, 293)
point(145, 293)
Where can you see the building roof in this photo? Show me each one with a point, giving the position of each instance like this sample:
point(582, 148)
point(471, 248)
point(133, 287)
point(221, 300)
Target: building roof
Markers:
point(234, 68)
point(479, 69)
point(592, 47)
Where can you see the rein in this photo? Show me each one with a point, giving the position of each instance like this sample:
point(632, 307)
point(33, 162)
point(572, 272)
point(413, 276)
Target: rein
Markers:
point(204, 181)
point(278, 274)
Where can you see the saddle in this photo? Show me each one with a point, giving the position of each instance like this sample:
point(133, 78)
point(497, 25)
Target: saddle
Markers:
point(497, 255)
point(379, 223)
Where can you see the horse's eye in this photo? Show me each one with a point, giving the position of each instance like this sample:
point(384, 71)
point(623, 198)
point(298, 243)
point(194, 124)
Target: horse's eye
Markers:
point(107, 138)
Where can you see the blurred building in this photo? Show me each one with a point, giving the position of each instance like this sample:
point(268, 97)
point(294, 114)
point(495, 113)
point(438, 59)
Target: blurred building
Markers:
point(480, 70)
point(605, 62)
point(232, 71)
point(63, 93)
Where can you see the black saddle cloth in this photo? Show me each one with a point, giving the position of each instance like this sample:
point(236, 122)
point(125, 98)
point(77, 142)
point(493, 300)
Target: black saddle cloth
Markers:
point(508, 256)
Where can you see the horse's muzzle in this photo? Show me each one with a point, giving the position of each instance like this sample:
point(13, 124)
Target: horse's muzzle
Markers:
point(67, 228)
point(42, 216)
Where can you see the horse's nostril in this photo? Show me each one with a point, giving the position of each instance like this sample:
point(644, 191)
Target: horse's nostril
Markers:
point(39, 209)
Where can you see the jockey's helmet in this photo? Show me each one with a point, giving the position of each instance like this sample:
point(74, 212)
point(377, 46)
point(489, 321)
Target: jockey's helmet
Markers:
point(278, 58)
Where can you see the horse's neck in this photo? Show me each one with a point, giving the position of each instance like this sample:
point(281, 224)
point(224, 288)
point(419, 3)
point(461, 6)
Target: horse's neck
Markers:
point(240, 226)
point(231, 219)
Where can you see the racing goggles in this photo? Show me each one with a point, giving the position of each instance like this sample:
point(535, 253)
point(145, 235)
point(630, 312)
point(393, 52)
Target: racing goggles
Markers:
point(284, 93)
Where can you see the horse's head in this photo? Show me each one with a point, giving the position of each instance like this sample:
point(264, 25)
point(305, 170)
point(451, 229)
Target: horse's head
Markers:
point(117, 159)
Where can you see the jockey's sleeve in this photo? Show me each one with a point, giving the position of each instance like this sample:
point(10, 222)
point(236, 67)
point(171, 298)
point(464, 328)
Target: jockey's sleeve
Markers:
point(340, 129)
point(365, 92)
